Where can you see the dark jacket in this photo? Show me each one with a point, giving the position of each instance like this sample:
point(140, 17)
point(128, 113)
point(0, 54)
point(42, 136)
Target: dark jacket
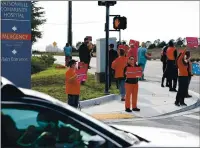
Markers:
point(112, 56)
point(164, 56)
point(130, 80)
point(84, 54)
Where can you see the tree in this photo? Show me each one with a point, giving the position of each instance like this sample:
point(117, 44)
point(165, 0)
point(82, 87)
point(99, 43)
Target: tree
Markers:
point(148, 43)
point(78, 44)
point(37, 19)
point(179, 42)
point(162, 44)
point(157, 42)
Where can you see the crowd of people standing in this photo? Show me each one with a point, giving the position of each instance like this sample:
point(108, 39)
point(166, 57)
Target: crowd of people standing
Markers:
point(175, 68)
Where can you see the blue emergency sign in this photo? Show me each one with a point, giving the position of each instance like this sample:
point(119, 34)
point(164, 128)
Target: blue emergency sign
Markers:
point(16, 42)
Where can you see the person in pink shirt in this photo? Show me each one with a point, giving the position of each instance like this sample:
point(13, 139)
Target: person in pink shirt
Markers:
point(132, 51)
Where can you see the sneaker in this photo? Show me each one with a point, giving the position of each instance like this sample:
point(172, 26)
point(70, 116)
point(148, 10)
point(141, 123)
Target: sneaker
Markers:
point(183, 104)
point(128, 110)
point(167, 85)
point(188, 96)
point(136, 109)
point(174, 89)
point(177, 104)
point(162, 85)
point(122, 99)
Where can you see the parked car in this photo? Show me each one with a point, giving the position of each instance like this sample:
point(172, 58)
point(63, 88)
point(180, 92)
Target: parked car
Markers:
point(33, 119)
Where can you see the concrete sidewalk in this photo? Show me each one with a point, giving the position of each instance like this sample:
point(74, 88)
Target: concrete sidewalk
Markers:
point(152, 100)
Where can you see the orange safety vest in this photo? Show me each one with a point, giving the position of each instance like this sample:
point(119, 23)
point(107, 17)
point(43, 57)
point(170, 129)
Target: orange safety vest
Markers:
point(170, 53)
point(183, 69)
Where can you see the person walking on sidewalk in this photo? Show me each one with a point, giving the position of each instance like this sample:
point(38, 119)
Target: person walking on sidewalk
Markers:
point(118, 66)
point(131, 87)
point(68, 53)
point(164, 62)
point(171, 71)
point(112, 56)
point(72, 84)
point(182, 64)
point(142, 58)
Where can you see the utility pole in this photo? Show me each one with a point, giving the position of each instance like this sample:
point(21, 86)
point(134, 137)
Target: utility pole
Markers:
point(107, 44)
point(70, 22)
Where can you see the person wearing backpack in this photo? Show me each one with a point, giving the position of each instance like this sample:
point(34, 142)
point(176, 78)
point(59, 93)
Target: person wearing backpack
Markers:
point(163, 59)
point(68, 53)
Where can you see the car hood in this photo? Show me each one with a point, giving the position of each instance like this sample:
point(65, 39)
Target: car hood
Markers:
point(162, 137)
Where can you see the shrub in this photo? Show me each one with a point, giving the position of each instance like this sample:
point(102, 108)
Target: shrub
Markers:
point(48, 59)
point(37, 65)
point(41, 63)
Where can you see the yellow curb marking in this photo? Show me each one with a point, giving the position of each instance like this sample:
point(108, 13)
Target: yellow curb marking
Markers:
point(112, 116)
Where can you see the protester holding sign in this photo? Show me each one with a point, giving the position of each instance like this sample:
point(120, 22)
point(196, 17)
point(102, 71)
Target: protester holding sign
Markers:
point(132, 72)
point(118, 66)
point(182, 63)
point(72, 84)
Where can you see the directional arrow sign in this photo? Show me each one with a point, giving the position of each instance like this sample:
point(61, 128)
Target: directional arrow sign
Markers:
point(14, 28)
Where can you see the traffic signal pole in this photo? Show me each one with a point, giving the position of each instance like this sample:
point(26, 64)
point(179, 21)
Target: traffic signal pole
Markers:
point(70, 22)
point(107, 50)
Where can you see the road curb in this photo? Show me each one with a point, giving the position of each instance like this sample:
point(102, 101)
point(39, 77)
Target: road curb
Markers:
point(195, 105)
point(99, 100)
point(185, 109)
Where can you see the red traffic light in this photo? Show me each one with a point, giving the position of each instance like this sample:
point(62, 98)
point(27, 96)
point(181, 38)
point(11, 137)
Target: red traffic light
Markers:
point(119, 22)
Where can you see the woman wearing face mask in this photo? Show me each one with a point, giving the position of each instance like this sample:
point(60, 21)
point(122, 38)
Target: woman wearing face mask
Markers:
point(131, 86)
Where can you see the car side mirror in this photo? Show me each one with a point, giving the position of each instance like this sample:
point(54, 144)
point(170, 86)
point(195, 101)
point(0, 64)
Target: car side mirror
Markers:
point(96, 141)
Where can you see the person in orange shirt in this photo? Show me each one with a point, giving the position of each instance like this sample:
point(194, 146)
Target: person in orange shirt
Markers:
point(131, 86)
point(118, 66)
point(183, 78)
point(171, 71)
point(72, 84)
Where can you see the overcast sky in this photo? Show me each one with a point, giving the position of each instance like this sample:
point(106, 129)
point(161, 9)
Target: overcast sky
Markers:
point(146, 20)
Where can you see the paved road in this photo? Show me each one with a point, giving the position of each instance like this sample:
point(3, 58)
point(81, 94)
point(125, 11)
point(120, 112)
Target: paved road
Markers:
point(187, 122)
point(153, 72)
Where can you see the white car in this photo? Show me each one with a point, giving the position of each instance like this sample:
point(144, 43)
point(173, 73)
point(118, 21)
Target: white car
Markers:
point(33, 119)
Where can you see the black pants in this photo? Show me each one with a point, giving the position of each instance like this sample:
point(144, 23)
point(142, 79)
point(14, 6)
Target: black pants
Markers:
point(189, 79)
point(182, 89)
point(174, 80)
point(73, 100)
point(163, 77)
point(164, 66)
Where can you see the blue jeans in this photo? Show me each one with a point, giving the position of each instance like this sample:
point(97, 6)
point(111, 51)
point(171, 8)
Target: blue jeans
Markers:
point(143, 67)
point(122, 88)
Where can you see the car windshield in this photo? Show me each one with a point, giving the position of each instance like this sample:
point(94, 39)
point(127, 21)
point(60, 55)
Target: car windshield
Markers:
point(126, 137)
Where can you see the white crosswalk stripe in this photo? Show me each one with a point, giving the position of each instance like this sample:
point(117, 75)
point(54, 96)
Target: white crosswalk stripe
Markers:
point(192, 116)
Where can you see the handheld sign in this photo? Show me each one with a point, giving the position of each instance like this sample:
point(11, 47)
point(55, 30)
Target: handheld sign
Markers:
point(192, 42)
point(134, 72)
point(196, 69)
point(82, 71)
point(82, 76)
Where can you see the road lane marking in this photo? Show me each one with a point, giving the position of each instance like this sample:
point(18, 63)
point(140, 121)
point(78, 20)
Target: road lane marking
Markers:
point(192, 116)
